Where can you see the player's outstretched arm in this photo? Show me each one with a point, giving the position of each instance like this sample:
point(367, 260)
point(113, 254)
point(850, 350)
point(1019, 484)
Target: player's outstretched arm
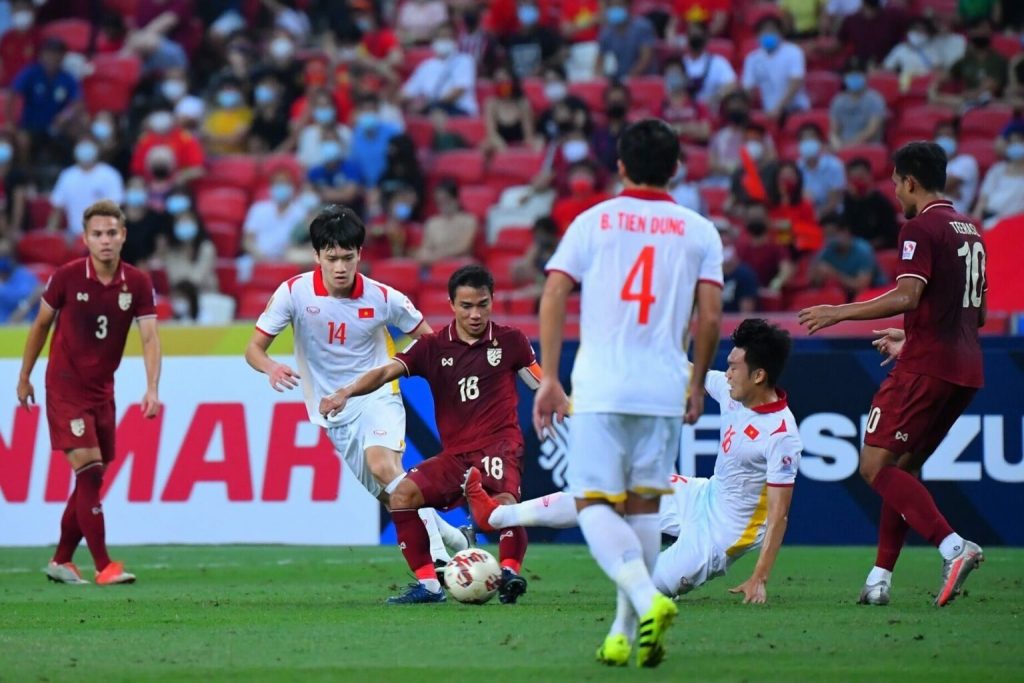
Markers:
point(753, 589)
point(367, 383)
point(281, 376)
point(904, 297)
point(37, 335)
point(551, 399)
point(151, 355)
point(705, 345)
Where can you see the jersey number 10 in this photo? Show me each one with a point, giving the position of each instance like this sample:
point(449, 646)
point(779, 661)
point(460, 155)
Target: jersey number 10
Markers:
point(644, 268)
point(974, 262)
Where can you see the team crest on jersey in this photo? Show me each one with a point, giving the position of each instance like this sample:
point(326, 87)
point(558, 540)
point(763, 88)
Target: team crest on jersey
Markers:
point(909, 247)
point(78, 427)
point(494, 356)
point(124, 300)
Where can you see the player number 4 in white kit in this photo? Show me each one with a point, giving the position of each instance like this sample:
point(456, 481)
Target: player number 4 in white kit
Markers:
point(469, 388)
point(974, 261)
point(644, 268)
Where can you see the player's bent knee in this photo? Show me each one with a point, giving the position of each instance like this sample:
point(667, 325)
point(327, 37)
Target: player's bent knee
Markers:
point(80, 457)
point(384, 464)
point(407, 496)
point(872, 460)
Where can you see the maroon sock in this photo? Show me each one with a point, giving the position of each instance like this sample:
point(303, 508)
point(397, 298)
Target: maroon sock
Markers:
point(908, 497)
point(892, 534)
point(512, 548)
point(70, 533)
point(414, 541)
point(90, 513)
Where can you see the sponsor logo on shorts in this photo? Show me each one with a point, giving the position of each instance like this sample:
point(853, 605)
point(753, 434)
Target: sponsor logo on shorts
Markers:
point(909, 247)
point(78, 427)
point(902, 436)
point(494, 356)
point(313, 310)
point(124, 300)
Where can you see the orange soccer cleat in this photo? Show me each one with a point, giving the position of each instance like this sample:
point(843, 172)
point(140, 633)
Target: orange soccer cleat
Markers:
point(112, 574)
point(481, 505)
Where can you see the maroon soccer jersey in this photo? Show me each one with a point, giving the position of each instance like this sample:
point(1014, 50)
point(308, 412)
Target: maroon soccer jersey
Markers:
point(93, 320)
point(474, 386)
point(944, 249)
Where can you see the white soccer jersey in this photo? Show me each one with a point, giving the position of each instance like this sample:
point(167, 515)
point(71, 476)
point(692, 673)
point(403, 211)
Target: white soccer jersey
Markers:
point(337, 340)
point(759, 447)
point(639, 258)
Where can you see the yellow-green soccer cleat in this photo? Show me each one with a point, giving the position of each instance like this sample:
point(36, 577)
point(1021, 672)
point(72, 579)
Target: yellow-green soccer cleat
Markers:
point(650, 650)
point(614, 651)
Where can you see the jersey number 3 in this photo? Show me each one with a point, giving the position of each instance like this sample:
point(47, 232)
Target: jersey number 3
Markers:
point(643, 268)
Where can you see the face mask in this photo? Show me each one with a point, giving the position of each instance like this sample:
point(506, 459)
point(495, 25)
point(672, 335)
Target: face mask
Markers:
point(161, 122)
point(1015, 151)
point(617, 111)
point(186, 230)
point(581, 186)
point(364, 24)
point(102, 130)
point(503, 90)
point(367, 120)
point(181, 308)
point(769, 41)
point(697, 43)
point(173, 90)
point(443, 47)
point(755, 148)
point(161, 171)
point(789, 184)
point(737, 116)
point(324, 115)
point(728, 253)
point(855, 82)
point(528, 15)
point(177, 203)
point(135, 197)
point(86, 152)
point(809, 148)
point(22, 20)
point(917, 38)
point(281, 192)
point(981, 42)
point(402, 211)
point(575, 150)
point(229, 99)
point(281, 48)
point(555, 91)
point(757, 228)
point(947, 144)
point(616, 15)
point(264, 94)
point(330, 151)
point(674, 82)
point(6, 152)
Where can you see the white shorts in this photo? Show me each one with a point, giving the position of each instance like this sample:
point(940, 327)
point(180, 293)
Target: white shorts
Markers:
point(612, 453)
point(693, 559)
point(382, 423)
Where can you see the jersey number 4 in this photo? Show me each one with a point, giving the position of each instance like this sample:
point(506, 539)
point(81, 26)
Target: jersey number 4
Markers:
point(335, 332)
point(643, 268)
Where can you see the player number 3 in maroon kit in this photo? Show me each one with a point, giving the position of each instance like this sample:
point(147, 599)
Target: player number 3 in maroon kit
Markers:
point(471, 366)
point(940, 289)
point(98, 297)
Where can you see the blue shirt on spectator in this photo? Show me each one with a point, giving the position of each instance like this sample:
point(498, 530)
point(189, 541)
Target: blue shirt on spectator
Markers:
point(18, 287)
point(626, 44)
point(859, 258)
point(333, 176)
point(44, 96)
point(738, 285)
point(819, 181)
point(368, 158)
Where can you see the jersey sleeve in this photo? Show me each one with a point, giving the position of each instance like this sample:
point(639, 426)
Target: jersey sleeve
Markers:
point(915, 252)
point(402, 313)
point(716, 386)
point(783, 458)
point(711, 264)
point(570, 258)
point(416, 357)
point(278, 314)
point(524, 361)
point(143, 297)
point(53, 295)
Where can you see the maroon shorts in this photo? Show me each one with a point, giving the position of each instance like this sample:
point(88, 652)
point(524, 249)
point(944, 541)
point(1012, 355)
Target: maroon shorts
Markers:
point(75, 426)
point(912, 413)
point(440, 478)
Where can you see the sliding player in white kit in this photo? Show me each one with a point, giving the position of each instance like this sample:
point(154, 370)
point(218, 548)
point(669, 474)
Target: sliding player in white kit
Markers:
point(642, 260)
point(742, 507)
point(340, 320)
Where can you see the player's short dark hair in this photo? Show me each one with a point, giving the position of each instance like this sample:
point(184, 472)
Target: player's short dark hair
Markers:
point(925, 161)
point(104, 207)
point(858, 162)
point(649, 150)
point(473, 275)
point(337, 226)
point(766, 346)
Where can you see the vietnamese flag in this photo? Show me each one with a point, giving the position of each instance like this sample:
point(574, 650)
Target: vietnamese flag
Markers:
point(751, 177)
point(365, 313)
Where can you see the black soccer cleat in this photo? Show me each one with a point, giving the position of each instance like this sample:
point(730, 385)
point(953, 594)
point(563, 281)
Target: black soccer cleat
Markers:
point(512, 586)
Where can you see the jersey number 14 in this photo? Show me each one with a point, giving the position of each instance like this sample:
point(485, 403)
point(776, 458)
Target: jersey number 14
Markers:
point(643, 268)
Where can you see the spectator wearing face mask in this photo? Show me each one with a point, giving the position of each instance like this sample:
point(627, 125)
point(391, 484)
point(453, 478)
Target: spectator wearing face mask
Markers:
point(846, 260)
point(170, 89)
point(867, 211)
point(328, 178)
point(922, 51)
point(270, 222)
point(873, 31)
point(403, 171)
point(776, 70)
point(684, 190)
point(80, 185)
point(856, 115)
point(18, 44)
point(791, 214)
point(580, 23)
point(477, 40)
point(188, 254)
point(605, 140)
point(824, 177)
point(574, 149)
point(979, 77)
point(418, 20)
point(51, 100)
point(388, 232)
point(227, 123)
point(269, 131)
point(584, 192)
point(565, 111)
point(175, 203)
point(962, 172)
point(689, 118)
point(725, 144)
point(143, 224)
point(371, 137)
point(186, 151)
point(323, 121)
point(445, 81)
point(769, 260)
point(743, 184)
point(532, 46)
point(507, 115)
point(709, 77)
point(452, 232)
point(739, 285)
point(528, 269)
point(1002, 191)
point(13, 192)
point(281, 63)
point(379, 48)
point(626, 43)
point(112, 151)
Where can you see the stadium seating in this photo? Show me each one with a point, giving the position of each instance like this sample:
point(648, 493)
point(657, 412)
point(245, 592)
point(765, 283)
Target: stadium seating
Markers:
point(477, 199)
point(887, 85)
point(591, 92)
point(268, 275)
point(421, 130)
point(794, 121)
point(500, 265)
point(272, 163)
point(76, 33)
point(697, 162)
point(226, 237)
point(533, 89)
point(43, 247)
point(253, 302)
point(402, 274)
point(888, 260)
point(224, 205)
point(828, 295)
point(106, 94)
point(470, 129)
point(985, 121)
point(125, 68)
point(513, 240)
point(982, 149)
point(821, 87)
point(465, 166)
point(434, 304)
point(646, 91)
point(237, 171)
point(515, 165)
point(439, 272)
point(920, 121)
point(876, 154)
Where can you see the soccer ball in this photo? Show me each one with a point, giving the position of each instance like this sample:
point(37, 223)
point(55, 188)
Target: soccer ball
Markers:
point(472, 576)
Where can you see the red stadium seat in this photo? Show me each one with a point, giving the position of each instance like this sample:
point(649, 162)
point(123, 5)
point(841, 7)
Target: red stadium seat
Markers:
point(513, 240)
point(161, 284)
point(484, 91)
point(226, 238)
point(238, 171)
point(223, 205)
point(876, 154)
point(43, 247)
point(269, 275)
point(533, 88)
point(438, 274)
point(814, 297)
point(106, 94)
point(272, 163)
point(470, 129)
point(714, 198)
point(75, 33)
point(5, 96)
point(462, 165)
point(518, 165)
point(434, 303)
point(227, 277)
point(887, 85)
point(646, 91)
point(414, 56)
point(724, 47)
point(421, 130)
point(921, 120)
point(116, 67)
point(986, 121)
point(821, 87)
point(478, 199)
point(982, 149)
point(514, 303)
point(253, 302)
point(39, 209)
point(125, 8)
point(42, 271)
point(1007, 44)
point(500, 266)
point(164, 311)
point(697, 162)
point(794, 121)
point(888, 260)
point(400, 273)
point(591, 92)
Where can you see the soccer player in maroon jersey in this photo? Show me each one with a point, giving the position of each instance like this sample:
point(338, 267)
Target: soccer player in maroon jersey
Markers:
point(940, 289)
point(471, 366)
point(98, 297)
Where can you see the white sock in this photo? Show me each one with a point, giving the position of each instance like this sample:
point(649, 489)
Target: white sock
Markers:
point(556, 511)
point(437, 549)
point(454, 540)
point(877, 574)
point(390, 488)
point(647, 528)
point(432, 585)
point(625, 617)
point(951, 546)
point(618, 551)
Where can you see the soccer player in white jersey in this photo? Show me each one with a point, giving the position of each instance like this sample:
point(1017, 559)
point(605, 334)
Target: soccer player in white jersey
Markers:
point(642, 261)
point(742, 507)
point(340, 320)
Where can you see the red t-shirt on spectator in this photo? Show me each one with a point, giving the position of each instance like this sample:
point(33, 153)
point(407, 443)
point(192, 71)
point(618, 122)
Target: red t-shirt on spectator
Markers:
point(688, 112)
point(565, 210)
point(17, 50)
point(188, 152)
point(763, 259)
point(502, 18)
point(805, 232)
point(380, 43)
point(682, 9)
point(575, 11)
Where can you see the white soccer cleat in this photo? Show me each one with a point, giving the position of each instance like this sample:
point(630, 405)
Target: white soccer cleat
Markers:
point(64, 573)
point(956, 571)
point(874, 594)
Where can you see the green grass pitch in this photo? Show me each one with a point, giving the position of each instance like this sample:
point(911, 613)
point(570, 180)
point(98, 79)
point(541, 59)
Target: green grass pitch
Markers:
point(310, 614)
